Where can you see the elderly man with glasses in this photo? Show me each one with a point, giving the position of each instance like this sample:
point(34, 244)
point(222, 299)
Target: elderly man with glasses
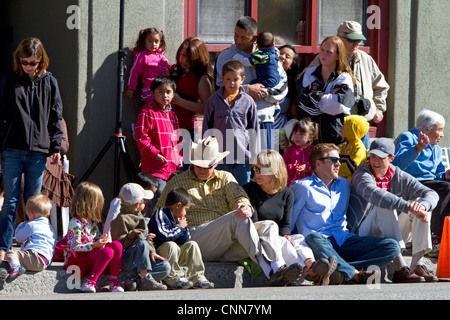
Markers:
point(319, 213)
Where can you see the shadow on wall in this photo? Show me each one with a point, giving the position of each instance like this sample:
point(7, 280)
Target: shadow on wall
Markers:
point(99, 115)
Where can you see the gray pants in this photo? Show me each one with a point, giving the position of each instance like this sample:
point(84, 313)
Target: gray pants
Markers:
point(229, 238)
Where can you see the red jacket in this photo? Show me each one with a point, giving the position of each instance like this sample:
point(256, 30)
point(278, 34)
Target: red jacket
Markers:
point(155, 133)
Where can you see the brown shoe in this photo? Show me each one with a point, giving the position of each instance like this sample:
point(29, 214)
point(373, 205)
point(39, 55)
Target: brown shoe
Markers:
point(423, 272)
point(405, 275)
point(362, 277)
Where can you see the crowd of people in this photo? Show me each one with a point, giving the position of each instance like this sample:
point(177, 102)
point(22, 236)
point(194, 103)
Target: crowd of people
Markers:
point(326, 207)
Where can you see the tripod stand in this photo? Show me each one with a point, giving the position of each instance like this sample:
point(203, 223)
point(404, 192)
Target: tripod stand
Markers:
point(117, 139)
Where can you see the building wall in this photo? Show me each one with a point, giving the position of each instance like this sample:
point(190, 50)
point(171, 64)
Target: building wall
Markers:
point(94, 119)
point(418, 63)
point(84, 59)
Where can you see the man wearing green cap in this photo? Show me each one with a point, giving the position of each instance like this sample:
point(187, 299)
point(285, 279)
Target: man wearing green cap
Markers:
point(370, 82)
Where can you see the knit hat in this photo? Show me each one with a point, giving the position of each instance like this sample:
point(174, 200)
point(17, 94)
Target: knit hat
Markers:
point(132, 193)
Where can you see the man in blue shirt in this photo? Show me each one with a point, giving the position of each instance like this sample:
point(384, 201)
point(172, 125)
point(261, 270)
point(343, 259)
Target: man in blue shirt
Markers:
point(319, 213)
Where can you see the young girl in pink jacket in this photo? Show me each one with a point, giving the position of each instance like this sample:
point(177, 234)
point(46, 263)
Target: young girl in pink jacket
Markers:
point(149, 62)
point(302, 139)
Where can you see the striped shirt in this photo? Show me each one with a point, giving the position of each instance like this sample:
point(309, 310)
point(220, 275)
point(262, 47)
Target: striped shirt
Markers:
point(211, 199)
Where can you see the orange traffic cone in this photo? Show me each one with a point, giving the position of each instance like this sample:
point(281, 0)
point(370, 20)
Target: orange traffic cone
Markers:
point(443, 265)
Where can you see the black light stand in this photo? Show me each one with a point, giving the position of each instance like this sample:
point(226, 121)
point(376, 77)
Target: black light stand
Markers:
point(118, 139)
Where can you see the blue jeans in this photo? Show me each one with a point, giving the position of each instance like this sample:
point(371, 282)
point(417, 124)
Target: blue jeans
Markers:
point(266, 134)
point(150, 206)
point(355, 253)
point(241, 172)
point(366, 140)
point(15, 163)
point(137, 257)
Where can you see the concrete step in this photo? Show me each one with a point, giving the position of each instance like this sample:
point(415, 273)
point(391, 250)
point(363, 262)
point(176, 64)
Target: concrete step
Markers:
point(57, 280)
point(224, 275)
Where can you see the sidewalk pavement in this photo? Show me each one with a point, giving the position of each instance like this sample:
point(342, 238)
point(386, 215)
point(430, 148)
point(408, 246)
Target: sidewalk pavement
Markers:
point(224, 275)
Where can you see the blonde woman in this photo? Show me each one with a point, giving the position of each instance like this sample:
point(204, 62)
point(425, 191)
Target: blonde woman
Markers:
point(271, 199)
point(326, 93)
point(30, 113)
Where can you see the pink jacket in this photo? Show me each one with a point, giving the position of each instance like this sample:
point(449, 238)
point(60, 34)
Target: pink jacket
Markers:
point(147, 65)
point(155, 133)
point(295, 153)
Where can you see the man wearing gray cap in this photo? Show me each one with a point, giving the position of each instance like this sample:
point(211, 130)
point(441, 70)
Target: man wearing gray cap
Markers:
point(388, 202)
point(371, 88)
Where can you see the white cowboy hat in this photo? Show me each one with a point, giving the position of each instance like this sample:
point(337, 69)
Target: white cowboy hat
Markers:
point(206, 153)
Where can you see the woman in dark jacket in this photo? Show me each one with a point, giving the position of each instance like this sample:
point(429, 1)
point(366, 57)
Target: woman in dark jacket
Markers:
point(30, 123)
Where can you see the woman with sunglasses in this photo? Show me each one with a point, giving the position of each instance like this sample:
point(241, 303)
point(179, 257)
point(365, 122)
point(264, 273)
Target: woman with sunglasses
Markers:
point(271, 199)
point(30, 125)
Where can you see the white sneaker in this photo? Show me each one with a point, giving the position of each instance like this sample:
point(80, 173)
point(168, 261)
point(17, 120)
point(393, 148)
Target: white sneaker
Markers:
point(183, 283)
point(204, 284)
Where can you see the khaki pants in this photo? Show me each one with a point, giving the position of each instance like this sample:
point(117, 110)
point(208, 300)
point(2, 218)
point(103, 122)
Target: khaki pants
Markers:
point(29, 259)
point(229, 238)
point(187, 254)
point(403, 228)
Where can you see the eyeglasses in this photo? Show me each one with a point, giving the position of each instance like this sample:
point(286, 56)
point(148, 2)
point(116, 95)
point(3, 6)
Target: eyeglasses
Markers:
point(31, 63)
point(333, 159)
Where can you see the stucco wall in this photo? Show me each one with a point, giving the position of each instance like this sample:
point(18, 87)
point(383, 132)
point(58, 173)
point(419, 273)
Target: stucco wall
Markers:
point(85, 62)
point(418, 63)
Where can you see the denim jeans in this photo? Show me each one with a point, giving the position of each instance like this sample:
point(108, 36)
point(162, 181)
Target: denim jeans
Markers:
point(241, 172)
point(355, 253)
point(137, 257)
point(15, 163)
point(150, 206)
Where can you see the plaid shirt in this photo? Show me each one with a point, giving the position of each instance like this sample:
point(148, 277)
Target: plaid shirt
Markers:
point(211, 199)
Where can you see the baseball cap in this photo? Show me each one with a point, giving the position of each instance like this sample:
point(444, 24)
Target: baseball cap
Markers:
point(133, 193)
point(382, 147)
point(352, 30)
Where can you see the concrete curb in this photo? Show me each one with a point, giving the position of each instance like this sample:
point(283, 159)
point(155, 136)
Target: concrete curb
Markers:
point(224, 275)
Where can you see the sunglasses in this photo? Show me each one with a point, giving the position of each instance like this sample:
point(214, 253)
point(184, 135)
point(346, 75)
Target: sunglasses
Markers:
point(333, 159)
point(263, 171)
point(32, 63)
point(352, 41)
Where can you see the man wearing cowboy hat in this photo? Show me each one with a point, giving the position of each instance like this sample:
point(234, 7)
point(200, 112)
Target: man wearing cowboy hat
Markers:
point(219, 217)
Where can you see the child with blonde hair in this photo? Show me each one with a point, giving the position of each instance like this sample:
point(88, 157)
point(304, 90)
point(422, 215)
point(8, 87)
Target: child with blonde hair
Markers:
point(86, 246)
point(303, 136)
point(37, 237)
